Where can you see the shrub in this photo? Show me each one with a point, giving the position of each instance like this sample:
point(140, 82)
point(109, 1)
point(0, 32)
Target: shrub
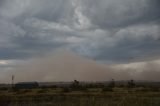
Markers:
point(154, 89)
point(42, 91)
point(65, 90)
point(3, 88)
point(107, 89)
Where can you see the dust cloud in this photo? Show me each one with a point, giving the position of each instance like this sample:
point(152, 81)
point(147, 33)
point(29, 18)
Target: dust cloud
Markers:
point(64, 65)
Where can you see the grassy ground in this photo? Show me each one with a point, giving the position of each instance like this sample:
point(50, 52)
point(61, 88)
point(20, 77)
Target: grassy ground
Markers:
point(90, 97)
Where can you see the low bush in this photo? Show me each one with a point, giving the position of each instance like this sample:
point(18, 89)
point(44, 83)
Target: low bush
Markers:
point(66, 90)
point(107, 89)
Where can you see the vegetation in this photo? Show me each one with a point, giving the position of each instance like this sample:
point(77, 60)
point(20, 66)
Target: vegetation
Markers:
point(83, 95)
point(131, 84)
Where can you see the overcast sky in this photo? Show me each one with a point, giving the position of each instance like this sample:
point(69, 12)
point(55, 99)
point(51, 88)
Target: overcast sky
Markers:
point(107, 31)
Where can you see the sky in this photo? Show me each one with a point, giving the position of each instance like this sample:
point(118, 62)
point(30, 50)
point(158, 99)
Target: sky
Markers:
point(122, 35)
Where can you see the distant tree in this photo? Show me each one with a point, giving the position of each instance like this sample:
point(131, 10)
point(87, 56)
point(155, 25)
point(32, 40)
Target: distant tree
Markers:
point(75, 84)
point(112, 84)
point(131, 84)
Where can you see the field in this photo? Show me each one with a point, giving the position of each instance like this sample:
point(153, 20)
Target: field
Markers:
point(80, 97)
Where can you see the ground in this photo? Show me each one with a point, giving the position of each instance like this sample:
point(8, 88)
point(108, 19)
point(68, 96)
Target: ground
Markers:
point(83, 97)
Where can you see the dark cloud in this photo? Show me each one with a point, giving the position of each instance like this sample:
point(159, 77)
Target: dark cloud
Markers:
point(2, 2)
point(121, 13)
point(104, 30)
point(60, 11)
point(129, 51)
point(122, 32)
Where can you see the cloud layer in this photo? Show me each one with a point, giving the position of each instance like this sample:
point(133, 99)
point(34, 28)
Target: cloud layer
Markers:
point(108, 31)
point(95, 29)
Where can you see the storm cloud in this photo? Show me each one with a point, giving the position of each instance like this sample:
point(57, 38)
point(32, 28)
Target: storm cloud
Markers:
point(107, 31)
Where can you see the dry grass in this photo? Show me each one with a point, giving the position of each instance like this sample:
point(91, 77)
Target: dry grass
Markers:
point(56, 97)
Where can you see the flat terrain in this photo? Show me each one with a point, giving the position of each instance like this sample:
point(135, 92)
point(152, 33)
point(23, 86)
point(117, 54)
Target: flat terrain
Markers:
point(89, 97)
